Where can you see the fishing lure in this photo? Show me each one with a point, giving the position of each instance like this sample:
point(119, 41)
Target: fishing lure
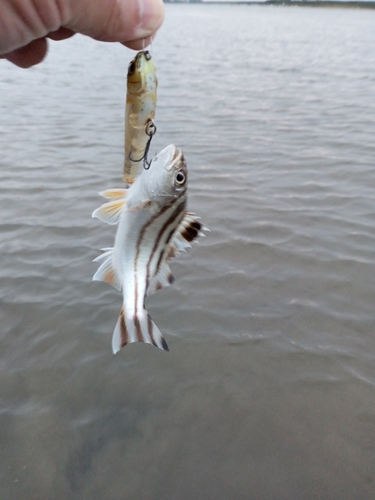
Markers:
point(140, 113)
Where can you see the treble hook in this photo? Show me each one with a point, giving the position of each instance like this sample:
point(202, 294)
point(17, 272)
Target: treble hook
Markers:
point(150, 131)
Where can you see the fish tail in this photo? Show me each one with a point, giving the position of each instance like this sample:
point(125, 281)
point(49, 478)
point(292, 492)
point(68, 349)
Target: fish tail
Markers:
point(139, 328)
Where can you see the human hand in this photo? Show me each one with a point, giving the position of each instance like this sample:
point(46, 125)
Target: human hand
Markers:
point(25, 25)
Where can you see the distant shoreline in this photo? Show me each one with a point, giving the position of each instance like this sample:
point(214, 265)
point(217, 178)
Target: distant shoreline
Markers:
point(299, 3)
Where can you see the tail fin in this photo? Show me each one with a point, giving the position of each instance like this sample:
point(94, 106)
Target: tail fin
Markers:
point(136, 329)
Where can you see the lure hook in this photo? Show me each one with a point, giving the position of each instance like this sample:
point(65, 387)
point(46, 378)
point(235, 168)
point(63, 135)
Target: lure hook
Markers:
point(150, 131)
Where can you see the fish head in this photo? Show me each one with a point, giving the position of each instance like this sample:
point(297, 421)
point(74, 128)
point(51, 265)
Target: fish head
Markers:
point(141, 73)
point(166, 178)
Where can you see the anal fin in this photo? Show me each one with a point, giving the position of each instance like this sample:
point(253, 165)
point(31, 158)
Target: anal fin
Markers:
point(106, 272)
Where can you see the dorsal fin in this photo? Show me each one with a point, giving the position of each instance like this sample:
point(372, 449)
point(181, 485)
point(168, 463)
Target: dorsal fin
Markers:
point(188, 230)
point(163, 278)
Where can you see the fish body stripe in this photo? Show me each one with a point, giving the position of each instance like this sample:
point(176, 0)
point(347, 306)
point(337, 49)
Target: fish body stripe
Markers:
point(177, 208)
point(173, 222)
point(135, 323)
point(162, 254)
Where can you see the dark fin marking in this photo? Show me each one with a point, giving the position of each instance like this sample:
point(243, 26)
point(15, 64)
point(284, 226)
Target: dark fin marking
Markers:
point(123, 329)
point(164, 344)
point(138, 330)
point(196, 225)
point(151, 330)
point(162, 279)
point(189, 233)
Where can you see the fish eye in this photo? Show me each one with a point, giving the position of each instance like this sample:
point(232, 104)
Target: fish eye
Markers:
point(180, 178)
point(131, 68)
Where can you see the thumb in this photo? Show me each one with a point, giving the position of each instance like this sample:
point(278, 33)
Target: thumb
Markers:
point(114, 20)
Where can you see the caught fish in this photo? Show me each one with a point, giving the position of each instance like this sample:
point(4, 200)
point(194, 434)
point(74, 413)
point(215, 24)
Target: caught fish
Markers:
point(140, 112)
point(153, 227)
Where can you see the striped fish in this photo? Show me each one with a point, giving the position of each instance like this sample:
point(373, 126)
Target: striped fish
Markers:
point(153, 226)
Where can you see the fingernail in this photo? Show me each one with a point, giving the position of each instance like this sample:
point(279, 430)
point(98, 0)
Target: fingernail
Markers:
point(152, 16)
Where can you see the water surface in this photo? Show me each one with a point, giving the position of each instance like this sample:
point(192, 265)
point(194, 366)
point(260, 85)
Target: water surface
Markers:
point(268, 391)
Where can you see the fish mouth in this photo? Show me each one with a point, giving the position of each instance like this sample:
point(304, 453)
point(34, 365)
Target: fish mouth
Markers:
point(178, 157)
point(177, 154)
point(170, 157)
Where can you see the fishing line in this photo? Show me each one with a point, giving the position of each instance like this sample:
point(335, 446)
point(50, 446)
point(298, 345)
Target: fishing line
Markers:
point(151, 45)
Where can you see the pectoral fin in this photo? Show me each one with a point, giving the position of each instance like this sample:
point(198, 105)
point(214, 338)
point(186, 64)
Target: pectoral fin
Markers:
point(114, 194)
point(133, 208)
point(110, 212)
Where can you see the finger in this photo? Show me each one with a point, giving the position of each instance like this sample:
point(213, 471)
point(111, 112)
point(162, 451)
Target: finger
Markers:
point(29, 55)
point(120, 20)
point(22, 21)
point(60, 34)
point(140, 44)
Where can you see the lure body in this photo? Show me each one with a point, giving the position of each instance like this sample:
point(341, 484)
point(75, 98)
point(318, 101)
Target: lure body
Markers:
point(140, 111)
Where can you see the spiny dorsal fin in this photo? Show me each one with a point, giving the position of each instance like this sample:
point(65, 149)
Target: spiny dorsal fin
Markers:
point(110, 212)
point(188, 230)
point(106, 272)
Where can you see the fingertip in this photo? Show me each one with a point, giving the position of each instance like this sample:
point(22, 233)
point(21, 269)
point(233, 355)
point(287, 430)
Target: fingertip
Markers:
point(152, 15)
point(125, 21)
point(139, 44)
point(60, 34)
point(30, 54)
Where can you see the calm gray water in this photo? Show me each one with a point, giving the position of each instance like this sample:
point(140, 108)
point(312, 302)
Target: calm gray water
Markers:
point(269, 389)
